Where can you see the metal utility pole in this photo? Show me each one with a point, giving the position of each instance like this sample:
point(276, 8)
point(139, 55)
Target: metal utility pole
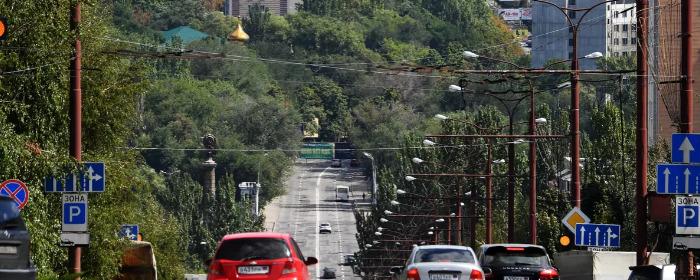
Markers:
point(533, 171)
point(489, 195)
point(686, 268)
point(459, 213)
point(74, 253)
point(642, 145)
point(511, 185)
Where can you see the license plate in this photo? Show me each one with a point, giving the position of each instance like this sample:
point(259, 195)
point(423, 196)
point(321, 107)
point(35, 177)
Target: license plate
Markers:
point(516, 278)
point(443, 276)
point(257, 269)
point(8, 250)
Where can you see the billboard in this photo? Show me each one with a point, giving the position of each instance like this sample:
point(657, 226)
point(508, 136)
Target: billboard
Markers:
point(509, 14)
point(526, 13)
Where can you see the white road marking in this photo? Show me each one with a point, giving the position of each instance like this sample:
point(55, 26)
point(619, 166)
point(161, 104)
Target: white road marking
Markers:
point(318, 222)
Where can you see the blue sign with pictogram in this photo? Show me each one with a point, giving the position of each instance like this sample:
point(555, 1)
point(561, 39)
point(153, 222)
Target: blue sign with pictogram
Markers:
point(688, 215)
point(16, 190)
point(130, 232)
point(90, 179)
point(597, 235)
point(685, 148)
point(75, 212)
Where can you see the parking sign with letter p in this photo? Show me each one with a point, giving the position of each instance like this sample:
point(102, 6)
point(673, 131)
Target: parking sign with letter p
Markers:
point(687, 215)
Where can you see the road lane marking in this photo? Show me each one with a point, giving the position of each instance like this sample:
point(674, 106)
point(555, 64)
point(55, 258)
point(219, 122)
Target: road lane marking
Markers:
point(318, 223)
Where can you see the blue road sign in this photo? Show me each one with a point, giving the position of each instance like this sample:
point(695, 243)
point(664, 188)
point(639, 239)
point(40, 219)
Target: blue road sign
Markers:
point(597, 235)
point(688, 215)
point(91, 179)
point(130, 232)
point(677, 179)
point(75, 212)
point(16, 190)
point(685, 148)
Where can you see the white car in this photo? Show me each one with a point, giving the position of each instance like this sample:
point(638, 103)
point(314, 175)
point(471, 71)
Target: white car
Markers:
point(325, 227)
point(440, 262)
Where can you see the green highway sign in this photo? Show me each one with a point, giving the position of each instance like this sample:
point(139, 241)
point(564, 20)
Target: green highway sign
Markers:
point(318, 151)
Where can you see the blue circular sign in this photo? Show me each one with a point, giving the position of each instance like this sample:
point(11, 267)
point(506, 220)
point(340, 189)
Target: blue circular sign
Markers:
point(16, 190)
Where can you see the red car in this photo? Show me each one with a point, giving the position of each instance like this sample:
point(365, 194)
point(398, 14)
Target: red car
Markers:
point(258, 256)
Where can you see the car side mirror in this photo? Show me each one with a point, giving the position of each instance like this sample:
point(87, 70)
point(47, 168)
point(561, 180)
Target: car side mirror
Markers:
point(310, 261)
point(396, 269)
point(487, 270)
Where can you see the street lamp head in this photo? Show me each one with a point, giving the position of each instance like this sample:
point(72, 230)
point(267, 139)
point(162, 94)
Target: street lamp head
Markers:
point(541, 120)
point(454, 88)
point(461, 204)
point(441, 117)
point(468, 54)
point(428, 142)
point(499, 161)
point(430, 233)
point(398, 243)
point(383, 220)
point(203, 243)
point(469, 193)
point(368, 245)
point(453, 214)
point(432, 228)
point(387, 212)
point(367, 154)
point(422, 243)
point(377, 233)
point(410, 178)
point(564, 85)
point(400, 191)
point(594, 55)
point(394, 202)
point(417, 160)
point(375, 242)
point(441, 220)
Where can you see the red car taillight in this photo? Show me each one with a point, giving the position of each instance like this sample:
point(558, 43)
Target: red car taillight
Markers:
point(216, 271)
point(413, 274)
point(289, 268)
point(476, 275)
point(549, 274)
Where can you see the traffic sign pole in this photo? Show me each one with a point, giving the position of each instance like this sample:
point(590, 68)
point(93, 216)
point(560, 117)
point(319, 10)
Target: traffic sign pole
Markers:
point(74, 253)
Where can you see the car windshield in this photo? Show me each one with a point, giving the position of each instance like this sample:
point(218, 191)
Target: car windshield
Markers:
point(9, 213)
point(515, 256)
point(253, 249)
point(325, 225)
point(444, 255)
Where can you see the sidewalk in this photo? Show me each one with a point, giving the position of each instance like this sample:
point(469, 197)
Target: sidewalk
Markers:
point(272, 213)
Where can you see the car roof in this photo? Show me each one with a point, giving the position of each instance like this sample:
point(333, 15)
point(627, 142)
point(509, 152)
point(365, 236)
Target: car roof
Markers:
point(423, 247)
point(257, 235)
point(518, 245)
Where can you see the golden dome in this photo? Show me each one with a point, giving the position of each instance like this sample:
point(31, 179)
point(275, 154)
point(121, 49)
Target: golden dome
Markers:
point(238, 35)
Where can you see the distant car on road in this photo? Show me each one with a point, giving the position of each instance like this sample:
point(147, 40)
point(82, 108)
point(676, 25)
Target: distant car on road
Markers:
point(440, 262)
point(516, 262)
point(349, 260)
point(325, 227)
point(258, 255)
point(336, 163)
point(15, 261)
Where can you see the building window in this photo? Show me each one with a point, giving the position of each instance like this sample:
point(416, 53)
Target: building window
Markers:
point(624, 53)
point(634, 27)
point(617, 27)
point(616, 41)
point(571, 42)
point(624, 27)
point(624, 14)
point(624, 41)
point(572, 14)
point(634, 41)
point(617, 14)
point(616, 54)
point(608, 21)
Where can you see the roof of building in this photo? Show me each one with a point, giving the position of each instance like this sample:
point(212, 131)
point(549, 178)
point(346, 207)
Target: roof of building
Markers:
point(185, 33)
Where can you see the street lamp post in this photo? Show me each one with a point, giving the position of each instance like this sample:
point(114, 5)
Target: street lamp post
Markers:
point(374, 177)
point(575, 95)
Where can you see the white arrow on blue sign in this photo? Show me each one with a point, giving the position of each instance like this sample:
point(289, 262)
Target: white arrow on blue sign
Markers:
point(92, 179)
point(130, 232)
point(677, 179)
point(685, 148)
point(597, 235)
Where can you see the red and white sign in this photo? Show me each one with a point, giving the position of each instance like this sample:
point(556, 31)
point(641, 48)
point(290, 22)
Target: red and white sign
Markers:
point(16, 190)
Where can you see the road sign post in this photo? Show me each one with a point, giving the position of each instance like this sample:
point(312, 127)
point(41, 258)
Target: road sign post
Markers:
point(597, 235)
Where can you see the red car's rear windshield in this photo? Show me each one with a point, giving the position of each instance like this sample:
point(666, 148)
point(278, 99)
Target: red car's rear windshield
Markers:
point(253, 249)
point(444, 255)
point(515, 256)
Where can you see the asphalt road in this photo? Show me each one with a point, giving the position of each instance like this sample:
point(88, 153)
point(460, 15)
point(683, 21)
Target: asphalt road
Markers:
point(310, 201)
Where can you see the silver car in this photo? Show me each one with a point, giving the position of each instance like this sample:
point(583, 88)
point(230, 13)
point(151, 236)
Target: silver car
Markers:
point(440, 262)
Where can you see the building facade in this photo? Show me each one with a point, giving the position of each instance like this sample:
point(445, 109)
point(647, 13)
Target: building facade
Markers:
point(239, 8)
point(608, 28)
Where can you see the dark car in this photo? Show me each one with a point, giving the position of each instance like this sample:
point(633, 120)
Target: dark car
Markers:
point(516, 262)
point(15, 262)
point(328, 273)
